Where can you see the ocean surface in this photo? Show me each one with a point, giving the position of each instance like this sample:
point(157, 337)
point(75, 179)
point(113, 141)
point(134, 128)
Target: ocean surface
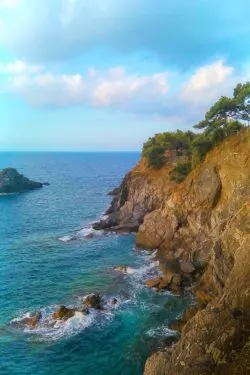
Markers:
point(47, 259)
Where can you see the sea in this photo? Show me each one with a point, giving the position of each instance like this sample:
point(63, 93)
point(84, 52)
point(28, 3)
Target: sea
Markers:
point(50, 256)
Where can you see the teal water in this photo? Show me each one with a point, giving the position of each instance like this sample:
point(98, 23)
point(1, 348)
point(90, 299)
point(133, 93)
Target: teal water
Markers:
point(46, 260)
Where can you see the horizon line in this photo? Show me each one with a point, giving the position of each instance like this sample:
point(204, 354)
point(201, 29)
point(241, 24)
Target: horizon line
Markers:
point(71, 151)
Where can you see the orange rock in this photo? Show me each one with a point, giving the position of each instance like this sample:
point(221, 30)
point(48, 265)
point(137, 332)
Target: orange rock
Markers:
point(153, 283)
point(63, 313)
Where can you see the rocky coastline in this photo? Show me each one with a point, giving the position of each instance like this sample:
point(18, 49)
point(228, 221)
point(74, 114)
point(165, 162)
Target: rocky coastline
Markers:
point(201, 229)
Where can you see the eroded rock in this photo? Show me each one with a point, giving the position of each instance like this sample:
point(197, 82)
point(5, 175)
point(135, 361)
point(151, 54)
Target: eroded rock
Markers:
point(93, 301)
point(63, 313)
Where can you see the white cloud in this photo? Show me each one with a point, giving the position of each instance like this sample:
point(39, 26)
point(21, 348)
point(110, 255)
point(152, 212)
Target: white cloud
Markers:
point(113, 89)
point(208, 83)
point(148, 95)
point(18, 67)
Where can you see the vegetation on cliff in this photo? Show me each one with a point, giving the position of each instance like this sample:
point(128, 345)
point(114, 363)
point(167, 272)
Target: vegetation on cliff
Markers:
point(187, 149)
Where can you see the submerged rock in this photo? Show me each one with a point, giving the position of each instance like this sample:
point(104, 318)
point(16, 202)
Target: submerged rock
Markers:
point(94, 301)
point(31, 321)
point(122, 268)
point(11, 181)
point(63, 313)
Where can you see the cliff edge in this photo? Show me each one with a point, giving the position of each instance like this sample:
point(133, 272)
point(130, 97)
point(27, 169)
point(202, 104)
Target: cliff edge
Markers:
point(203, 222)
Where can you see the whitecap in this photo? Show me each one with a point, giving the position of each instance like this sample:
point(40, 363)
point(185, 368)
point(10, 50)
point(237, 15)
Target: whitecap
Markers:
point(87, 232)
point(66, 238)
point(161, 331)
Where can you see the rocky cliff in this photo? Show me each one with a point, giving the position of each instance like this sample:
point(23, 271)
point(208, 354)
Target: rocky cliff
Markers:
point(143, 190)
point(205, 222)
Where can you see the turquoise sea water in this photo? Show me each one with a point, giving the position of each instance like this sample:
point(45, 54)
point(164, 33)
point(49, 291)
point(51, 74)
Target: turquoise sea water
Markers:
point(40, 269)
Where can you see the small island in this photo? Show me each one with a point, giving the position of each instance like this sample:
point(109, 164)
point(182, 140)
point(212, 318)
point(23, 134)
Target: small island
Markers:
point(11, 181)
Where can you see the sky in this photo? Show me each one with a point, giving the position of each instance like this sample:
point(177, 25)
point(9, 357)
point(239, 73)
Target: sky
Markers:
point(94, 75)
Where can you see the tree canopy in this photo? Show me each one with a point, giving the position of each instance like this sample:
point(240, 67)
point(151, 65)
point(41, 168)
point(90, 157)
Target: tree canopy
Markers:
point(226, 117)
point(226, 110)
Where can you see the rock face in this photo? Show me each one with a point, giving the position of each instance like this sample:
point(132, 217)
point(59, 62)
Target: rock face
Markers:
point(207, 221)
point(13, 182)
point(140, 192)
point(202, 226)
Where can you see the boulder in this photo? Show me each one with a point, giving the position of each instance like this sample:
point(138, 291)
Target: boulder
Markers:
point(121, 268)
point(63, 313)
point(33, 320)
point(11, 181)
point(93, 301)
point(155, 365)
point(168, 276)
point(114, 301)
point(153, 283)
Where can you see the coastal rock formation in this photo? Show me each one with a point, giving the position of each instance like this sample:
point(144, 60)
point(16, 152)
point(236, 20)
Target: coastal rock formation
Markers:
point(93, 301)
point(207, 221)
point(30, 321)
point(121, 268)
point(13, 182)
point(143, 190)
point(63, 313)
point(203, 226)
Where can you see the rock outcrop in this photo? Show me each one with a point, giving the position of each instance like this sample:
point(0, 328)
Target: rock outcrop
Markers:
point(64, 313)
point(93, 301)
point(142, 191)
point(31, 321)
point(13, 182)
point(203, 225)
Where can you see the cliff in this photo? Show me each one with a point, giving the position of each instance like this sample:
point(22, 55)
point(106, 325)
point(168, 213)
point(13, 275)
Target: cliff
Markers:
point(203, 222)
point(143, 190)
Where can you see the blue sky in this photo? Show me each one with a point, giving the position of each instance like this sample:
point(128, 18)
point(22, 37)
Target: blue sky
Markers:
point(106, 74)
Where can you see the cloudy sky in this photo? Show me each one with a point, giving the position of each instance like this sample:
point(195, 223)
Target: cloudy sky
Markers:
point(107, 74)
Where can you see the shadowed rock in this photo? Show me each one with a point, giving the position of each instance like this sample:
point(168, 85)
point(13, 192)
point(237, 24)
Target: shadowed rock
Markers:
point(94, 301)
point(11, 181)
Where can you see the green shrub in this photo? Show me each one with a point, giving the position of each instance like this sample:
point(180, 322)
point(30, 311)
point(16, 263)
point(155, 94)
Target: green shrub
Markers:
point(156, 146)
point(200, 147)
point(180, 172)
point(155, 156)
